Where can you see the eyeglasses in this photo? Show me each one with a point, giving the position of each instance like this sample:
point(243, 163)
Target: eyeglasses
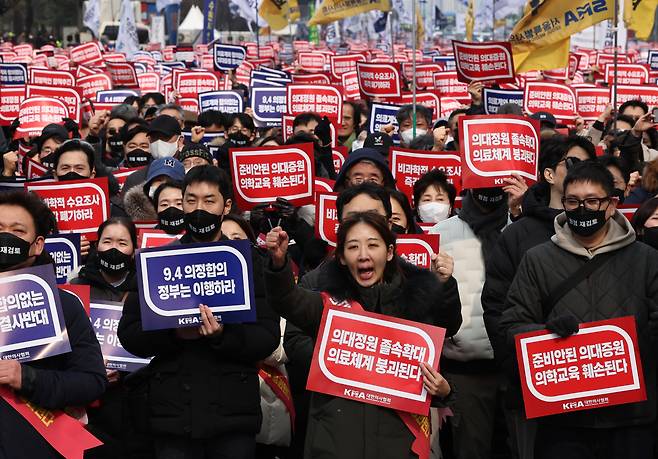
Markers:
point(588, 203)
point(244, 130)
point(569, 161)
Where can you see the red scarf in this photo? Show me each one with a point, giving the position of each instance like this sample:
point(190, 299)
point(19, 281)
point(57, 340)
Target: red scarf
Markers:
point(279, 384)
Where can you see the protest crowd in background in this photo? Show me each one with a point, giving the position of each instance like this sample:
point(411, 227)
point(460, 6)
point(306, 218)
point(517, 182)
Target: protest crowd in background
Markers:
point(290, 250)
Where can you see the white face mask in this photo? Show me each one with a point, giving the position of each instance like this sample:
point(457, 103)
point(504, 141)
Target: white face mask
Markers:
point(408, 135)
point(357, 144)
point(433, 212)
point(162, 149)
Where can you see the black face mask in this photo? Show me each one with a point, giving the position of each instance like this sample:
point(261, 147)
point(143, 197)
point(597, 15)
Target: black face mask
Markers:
point(584, 222)
point(13, 250)
point(619, 194)
point(114, 261)
point(116, 145)
point(71, 176)
point(203, 225)
point(239, 139)
point(650, 236)
point(398, 229)
point(138, 158)
point(172, 220)
point(48, 161)
point(489, 198)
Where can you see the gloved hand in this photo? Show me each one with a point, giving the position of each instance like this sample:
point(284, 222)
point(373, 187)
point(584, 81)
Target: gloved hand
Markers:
point(72, 127)
point(563, 326)
point(323, 131)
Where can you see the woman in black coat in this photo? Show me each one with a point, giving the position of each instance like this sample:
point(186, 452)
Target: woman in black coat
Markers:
point(365, 269)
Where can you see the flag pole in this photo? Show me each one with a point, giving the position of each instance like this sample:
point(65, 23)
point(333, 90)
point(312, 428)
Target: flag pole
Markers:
point(414, 31)
point(257, 31)
point(616, 58)
point(390, 24)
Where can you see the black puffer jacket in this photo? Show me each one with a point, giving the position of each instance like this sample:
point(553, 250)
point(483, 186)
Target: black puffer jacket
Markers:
point(207, 387)
point(101, 290)
point(534, 228)
point(626, 285)
point(346, 429)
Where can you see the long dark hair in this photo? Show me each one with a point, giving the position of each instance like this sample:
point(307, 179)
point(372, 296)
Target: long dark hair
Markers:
point(643, 214)
point(376, 222)
point(126, 223)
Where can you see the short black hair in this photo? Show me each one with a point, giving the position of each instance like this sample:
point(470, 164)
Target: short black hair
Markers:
point(357, 113)
point(634, 103)
point(619, 163)
point(245, 120)
point(163, 186)
point(128, 134)
point(243, 224)
point(131, 100)
point(45, 222)
point(646, 210)
point(157, 97)
point(209, 174)
point(209, 117)
point(403, 200)
point(123, 221)
point(625, 118)
point(459, 111)
point(304, 118)
point(438, 177)
point(76, 145)
point(551, 152)
point(590, 172)
point(406, 111)
point(582, 142)
point(373, 190)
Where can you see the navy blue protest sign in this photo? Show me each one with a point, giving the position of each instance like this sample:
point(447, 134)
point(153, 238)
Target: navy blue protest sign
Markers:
point(13, 74)
point(652, 59)
point(65, 252)
point(31, 321)
point(448, 62)
point(114, 96)
point(494, 98)
point(228, 57)
point(174, 280)
point(274, 72)
point(382, 115)
point(268, 105)
point(105, 318)
point(223, 101)
point(266, 84)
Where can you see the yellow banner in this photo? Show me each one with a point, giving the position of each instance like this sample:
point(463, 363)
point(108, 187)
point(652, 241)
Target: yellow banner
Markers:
point(333, 10)
point(278, 13)
point(639, 16)
point(540, 40)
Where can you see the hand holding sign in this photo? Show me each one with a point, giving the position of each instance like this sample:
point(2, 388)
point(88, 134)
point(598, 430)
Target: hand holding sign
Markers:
point(443, 265)
point(436, 385)
point(475, 90)
point(515, 187)
point(10, 374)
point(210, 327)
point(276, 242)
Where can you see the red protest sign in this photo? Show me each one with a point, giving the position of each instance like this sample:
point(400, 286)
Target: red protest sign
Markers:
point(591, 102)
point(647, 94)
point(554, 98)
point(147, 238)
point(631, 74)
point(311, 62)
point(373, 358)
point(312, 78)
point(324, 100)
point(603, 59)
point(191, 84)
point(326, 217)
point(69, 96)
point(149, 82)
point(447, 106)
point(10, 102)
point(36, 113)
point(34, 169)
point(80, 206)
point(428, 99)
point(47, 77)
point(448, 85)
point(417, 249)
point(494, 147)
point(260, 175)
point(488, 61)
point(89, 85)
point(339, 65)
point(379, 80)
point(122, 175)
point(338, 155)
point(84, 54)
point(351, 89)
point(407, 166)
point(122, 74)
point(597, 367)
point(189, 104)
point(424, 74)
point(80, 291)
point(322, 185)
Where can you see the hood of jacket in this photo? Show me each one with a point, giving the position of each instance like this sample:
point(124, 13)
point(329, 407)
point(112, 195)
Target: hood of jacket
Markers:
point(364, 154)
point(138, 205)
point(536, 201)
point(620, 234)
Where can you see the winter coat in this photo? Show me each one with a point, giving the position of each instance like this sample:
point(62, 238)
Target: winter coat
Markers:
point(73, 379)
point(347, 429)
point(100, 289)
point(626, 285)
point(137, 205)
point(199, 389)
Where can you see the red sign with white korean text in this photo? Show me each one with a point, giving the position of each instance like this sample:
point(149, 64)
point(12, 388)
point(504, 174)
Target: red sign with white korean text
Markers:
point(191, 84)
point(597, 367)
point(417, 249)
point(602, 59)
point(338, 155)
point(449, 85)
point(149, 82)
point(34, 169)
point(488, 61)
point(147, 238)
point(648, 94)
point(89, 53)
point(554, 98)
point(122, 74)
point(379, 80)
point(447, 106)
point(351, 89)
point(340, 65)
point(69, 96)
point(326, 217)
point(324, 100)
point(80, 206)
point(260, 175)
point(10, 102)
point(36, 113)
point(591, 102)
point(428, 99)
point(89, 85)
point(312, 78)
point(46, 77)
point(424, 74)
point(373, 358)
point(122, 175)
point(407, 166)
point(495, 147)
point(631, 74)
point(311, 62)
